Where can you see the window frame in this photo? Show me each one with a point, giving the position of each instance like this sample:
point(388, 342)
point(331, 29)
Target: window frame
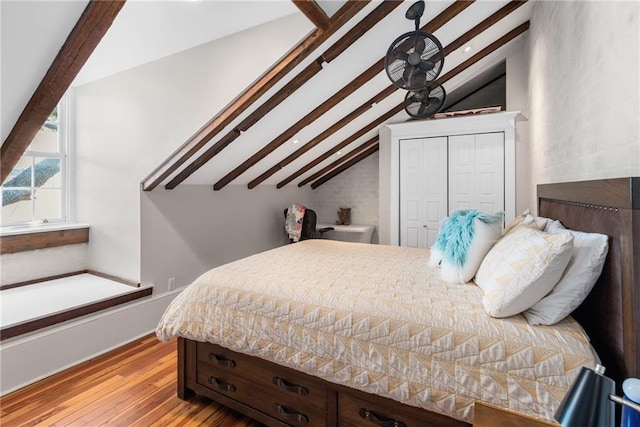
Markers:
point(64, 147)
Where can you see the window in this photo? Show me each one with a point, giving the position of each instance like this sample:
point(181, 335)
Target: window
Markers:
point(36, 190)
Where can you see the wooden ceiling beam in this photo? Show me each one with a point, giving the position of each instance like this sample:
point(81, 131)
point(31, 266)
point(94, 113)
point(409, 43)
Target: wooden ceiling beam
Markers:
point(314, 13)
point(484, 25)
point(366, 153)
point(340, 95)
point(305, 75)
point(324, 135)
point(309, 118)
point(497, 16)
point(380, 120)
point(338, 162)
point(203, 158)
point(302, 77)
point(248, 97)
point(92, 25)
point(457, 70)
point(359, 30)
point(485, 52)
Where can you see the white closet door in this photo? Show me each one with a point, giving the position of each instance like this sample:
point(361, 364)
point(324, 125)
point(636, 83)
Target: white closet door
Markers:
point(476, 172)
point(423, 190)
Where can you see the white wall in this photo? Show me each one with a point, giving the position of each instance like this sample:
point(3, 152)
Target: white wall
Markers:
point(584, 91)
point(130, 122)
point(518, 100)
point(23, 266)
point(191, 229)
point(355, 188)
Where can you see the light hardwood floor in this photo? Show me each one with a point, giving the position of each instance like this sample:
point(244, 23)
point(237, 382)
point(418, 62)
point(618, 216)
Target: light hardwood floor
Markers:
point(134, 385)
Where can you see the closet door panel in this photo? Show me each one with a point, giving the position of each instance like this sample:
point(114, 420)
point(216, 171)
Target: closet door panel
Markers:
point(462, 172)
point(436, 188)
point(490, 172)
point(423, 190)
point(476, 172)
point(411, 166)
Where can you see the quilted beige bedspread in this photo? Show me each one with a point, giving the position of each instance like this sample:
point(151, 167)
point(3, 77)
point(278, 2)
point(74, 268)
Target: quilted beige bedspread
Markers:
point(376, 318)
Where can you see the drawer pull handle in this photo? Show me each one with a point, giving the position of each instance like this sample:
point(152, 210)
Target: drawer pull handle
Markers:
point(290, 415)
point(370, 416)
point(221, 360)
point(221, 385)
point(294, 388)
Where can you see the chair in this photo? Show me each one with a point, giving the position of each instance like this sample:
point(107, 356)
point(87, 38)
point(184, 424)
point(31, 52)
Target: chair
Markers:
point(309, 221)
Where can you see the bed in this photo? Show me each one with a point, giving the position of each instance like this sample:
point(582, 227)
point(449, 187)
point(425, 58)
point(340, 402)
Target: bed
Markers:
point(395, 350)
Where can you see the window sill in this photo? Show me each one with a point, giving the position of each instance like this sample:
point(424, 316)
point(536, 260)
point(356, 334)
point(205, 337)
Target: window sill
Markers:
point(22, 239)
point(39, 228)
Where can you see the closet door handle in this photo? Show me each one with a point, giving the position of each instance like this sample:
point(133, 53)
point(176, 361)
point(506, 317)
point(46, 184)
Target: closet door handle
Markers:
point(290, 415)
point(377, 420)
point(221, 360)
point(221, 385)
point(294, 388)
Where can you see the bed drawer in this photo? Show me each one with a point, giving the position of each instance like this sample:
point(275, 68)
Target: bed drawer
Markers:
point(278, 392)
point(262, 397)
point(305, 389)
point(357, 409)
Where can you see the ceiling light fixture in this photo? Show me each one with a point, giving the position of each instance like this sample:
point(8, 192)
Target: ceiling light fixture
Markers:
point(295, 141)
point(467, 48)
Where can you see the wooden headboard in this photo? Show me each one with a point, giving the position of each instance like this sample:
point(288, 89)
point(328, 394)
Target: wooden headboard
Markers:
point(611, 313)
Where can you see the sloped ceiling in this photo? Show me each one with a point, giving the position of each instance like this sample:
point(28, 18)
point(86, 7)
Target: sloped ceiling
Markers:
point(144, 31)
point(31, 34)
point(337, 76)
point(267, 147)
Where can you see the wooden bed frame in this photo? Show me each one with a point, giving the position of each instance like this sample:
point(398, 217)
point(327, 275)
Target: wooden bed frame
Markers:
point(610, 316)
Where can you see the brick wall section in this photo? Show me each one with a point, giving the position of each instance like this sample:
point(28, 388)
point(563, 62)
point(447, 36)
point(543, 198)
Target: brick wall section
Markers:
point(357, 188)
point(584, 91)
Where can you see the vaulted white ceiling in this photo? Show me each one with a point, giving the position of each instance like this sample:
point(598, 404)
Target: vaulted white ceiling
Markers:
point(164, 28)
point(32, 32)
point(370, 48)
point(147, 30)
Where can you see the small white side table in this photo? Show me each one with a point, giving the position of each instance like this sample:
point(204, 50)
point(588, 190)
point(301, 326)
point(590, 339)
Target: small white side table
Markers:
point(348, 233)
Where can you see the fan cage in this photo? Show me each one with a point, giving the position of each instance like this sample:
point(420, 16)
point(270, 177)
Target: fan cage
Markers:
point(412, 77)
point(416, 107)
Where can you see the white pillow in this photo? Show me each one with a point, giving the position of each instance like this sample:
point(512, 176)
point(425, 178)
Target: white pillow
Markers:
point(516, 221)
point(527, 220)
point(484, 237)
point(521, 268)
point(464, 239)
point(582, 272)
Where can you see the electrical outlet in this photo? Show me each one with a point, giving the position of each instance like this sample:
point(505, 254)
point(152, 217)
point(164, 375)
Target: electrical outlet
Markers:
point(172, 283)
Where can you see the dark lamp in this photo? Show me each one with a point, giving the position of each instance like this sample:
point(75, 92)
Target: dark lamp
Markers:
point(590, 401)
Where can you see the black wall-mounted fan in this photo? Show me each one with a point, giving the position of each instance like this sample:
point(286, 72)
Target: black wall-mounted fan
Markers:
point(426, 102)
point(415, 58)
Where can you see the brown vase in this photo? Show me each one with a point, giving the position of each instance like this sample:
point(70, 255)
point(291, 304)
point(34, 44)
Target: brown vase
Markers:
point(344, 216)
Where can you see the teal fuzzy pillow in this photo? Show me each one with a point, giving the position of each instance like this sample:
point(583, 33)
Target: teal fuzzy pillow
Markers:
point(464, 239)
